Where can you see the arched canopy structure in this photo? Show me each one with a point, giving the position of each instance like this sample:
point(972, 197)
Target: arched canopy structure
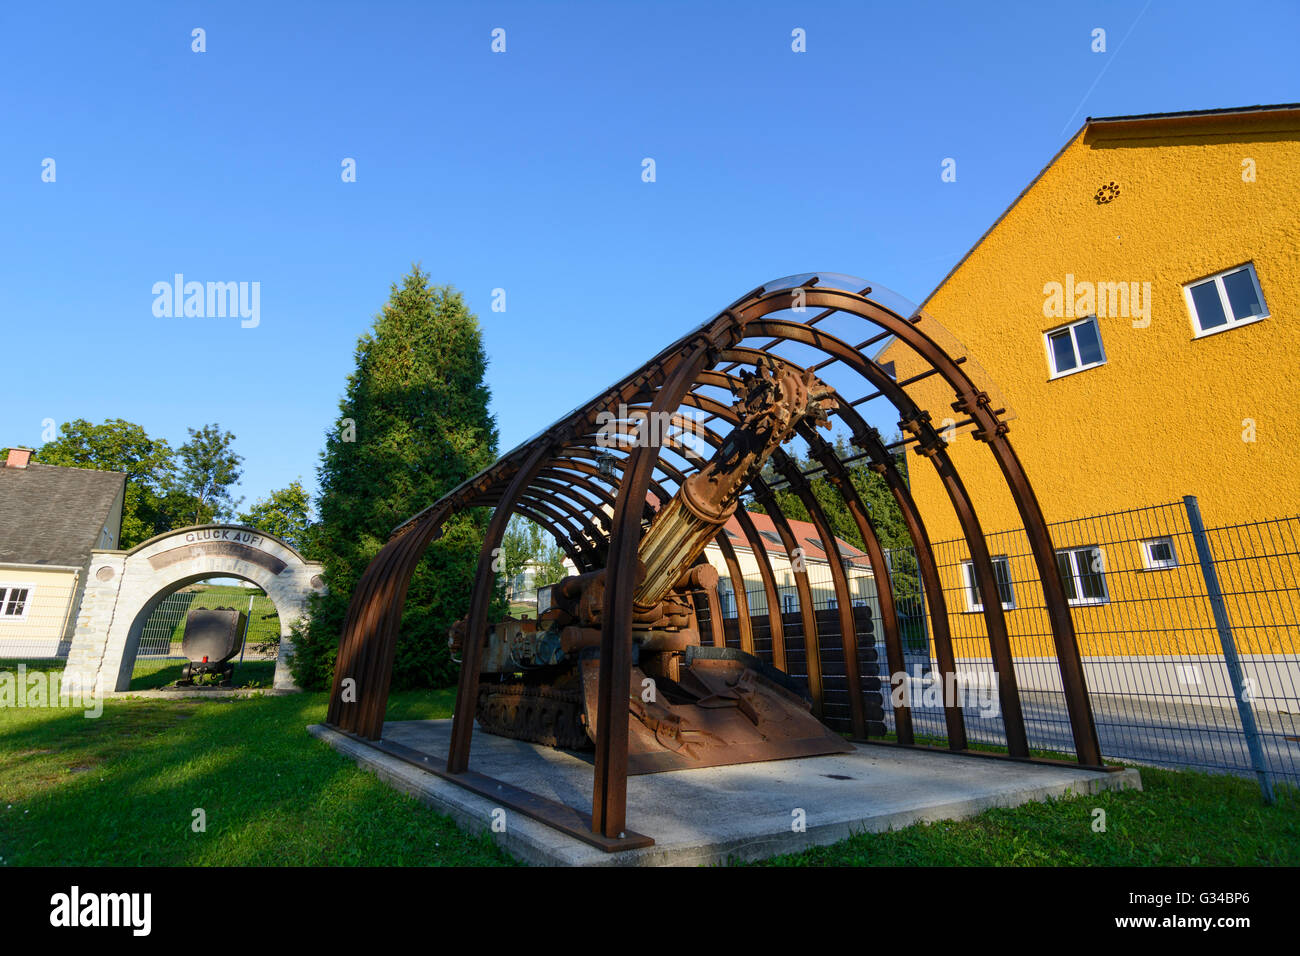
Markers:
point(594, 497)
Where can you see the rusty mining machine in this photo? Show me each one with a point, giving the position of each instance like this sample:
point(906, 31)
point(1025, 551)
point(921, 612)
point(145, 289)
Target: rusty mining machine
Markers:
point(689, 705)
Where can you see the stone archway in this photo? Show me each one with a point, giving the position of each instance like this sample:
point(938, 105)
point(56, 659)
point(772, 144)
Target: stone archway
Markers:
point(124, 587)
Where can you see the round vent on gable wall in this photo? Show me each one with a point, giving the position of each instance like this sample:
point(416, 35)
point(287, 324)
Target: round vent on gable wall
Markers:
point(1107, 193)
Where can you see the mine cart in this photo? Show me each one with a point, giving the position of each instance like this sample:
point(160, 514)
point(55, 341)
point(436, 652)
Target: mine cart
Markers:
point(212, 638)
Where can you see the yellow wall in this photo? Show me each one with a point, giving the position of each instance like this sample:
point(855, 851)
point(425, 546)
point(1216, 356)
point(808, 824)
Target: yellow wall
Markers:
point(47, 619)
point(1164, 416)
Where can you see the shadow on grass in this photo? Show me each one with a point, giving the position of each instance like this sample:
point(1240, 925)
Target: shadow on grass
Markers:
point(155, 673)
point(209, 782)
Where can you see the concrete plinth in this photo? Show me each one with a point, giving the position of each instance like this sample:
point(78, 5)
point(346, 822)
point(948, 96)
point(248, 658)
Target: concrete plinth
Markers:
point(719, 814)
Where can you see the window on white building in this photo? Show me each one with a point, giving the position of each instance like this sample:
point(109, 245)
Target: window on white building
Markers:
point(14, 601)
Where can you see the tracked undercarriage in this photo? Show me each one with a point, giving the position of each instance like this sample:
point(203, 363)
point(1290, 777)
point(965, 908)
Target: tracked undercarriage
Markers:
point(688, 705)
point(541, 713)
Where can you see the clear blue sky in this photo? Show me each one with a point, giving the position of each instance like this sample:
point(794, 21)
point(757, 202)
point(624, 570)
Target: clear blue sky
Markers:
point(522, 171)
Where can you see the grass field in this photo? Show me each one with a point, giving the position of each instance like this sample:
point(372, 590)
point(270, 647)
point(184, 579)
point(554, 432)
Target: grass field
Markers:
point(122, 790)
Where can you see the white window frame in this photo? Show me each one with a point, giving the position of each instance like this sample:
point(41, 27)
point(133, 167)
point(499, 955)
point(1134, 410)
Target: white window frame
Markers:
point(789, 604)
point(1074, 341)
point(1151, 563)
point(1233, 322)
point(1079, 598)
point(5, 588)
point(968, 578)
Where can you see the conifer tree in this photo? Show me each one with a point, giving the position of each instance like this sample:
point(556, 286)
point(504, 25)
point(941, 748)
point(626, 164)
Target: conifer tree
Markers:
point(413, 424)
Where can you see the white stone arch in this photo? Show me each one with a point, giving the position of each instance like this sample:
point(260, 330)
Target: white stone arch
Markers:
point(124, 587)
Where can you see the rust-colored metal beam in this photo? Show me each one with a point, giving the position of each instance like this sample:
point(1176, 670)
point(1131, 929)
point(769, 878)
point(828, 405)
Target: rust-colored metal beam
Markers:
point(609, 791)
point(571, 551)
point(776, 626)
point(869, 440)
point(842, 482)
point(462, 721)
point(917, 422)
point(839, 580)
point(744, 627)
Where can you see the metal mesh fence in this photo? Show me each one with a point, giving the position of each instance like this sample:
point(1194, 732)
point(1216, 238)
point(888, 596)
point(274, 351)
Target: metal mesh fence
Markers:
point(1170, 683)
point(165, 628)
point(41, 631)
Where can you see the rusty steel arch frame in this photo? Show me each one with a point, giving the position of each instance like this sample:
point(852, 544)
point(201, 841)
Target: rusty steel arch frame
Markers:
point(597, 515)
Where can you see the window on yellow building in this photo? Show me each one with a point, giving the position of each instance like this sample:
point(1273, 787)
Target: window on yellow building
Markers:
point(1001, 572)
point(1083, 572)
point(14, 601)
point(1074, 347)
point(1221, 301)
point(1159, 553)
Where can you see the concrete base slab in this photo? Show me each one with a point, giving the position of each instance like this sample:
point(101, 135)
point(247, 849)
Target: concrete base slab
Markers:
point(720, 814)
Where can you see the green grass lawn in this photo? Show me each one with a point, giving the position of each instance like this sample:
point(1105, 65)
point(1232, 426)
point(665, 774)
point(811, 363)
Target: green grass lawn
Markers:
point(1178, 819)
point(121, 790)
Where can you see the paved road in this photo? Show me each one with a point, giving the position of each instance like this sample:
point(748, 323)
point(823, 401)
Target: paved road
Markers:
point(1164, 733)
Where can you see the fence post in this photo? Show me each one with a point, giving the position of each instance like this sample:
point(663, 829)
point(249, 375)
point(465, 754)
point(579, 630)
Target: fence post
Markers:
point(1230, 659)
point(248, 624)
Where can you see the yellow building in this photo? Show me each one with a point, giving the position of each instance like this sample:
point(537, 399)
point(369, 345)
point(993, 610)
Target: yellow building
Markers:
point(1135, 311)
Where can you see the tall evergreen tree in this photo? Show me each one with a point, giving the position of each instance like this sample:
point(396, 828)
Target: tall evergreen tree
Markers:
point(412, 425)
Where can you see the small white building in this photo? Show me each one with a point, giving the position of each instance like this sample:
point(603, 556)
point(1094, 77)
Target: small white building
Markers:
point(816, 560)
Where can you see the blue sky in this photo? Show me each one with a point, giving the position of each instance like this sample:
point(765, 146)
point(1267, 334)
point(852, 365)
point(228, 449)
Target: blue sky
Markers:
point(518, 170)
